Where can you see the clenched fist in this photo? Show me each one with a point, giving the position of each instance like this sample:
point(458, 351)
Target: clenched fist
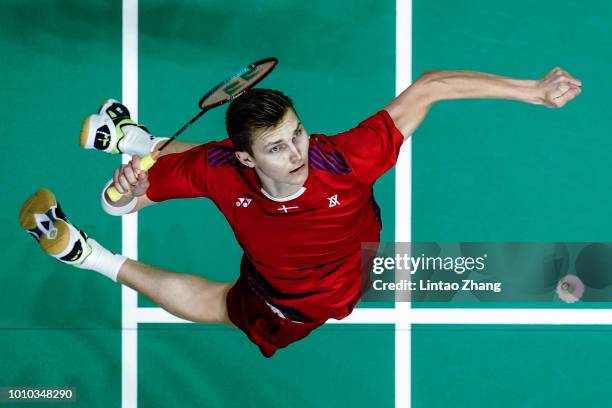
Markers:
point(130, 180)
point(557, 88)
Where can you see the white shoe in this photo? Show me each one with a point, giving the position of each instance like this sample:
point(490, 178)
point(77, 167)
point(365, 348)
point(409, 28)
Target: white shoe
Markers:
point(103, 131)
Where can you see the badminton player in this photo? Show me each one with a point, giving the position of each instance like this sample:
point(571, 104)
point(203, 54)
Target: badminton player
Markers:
point(299, 204)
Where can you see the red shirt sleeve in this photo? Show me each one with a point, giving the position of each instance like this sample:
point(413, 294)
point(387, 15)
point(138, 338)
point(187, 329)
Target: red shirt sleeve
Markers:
point(179, 175)
point(372, 147)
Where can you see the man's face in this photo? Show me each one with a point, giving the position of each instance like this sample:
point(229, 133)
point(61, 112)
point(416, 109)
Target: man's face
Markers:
point(280, 155)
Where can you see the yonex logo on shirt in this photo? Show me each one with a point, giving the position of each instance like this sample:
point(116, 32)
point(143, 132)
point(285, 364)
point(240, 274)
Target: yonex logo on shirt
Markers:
point(243, 202)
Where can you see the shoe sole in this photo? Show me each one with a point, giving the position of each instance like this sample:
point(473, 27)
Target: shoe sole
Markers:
point(85, 131)
point(65, 236)
point(39, 203)
point(57, 245)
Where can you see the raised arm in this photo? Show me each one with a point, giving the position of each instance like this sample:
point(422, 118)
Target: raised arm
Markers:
point(410, 108)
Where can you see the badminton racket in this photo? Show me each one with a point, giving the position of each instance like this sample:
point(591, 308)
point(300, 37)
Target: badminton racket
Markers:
point(225, 91)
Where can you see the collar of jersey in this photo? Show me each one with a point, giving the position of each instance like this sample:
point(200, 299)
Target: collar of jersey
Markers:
point(284, 199)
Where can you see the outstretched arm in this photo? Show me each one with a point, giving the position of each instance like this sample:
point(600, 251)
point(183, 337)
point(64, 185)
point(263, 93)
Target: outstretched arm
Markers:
point(410, 108)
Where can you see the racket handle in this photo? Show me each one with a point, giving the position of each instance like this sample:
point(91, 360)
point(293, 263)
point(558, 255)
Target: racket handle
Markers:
point(145, 164)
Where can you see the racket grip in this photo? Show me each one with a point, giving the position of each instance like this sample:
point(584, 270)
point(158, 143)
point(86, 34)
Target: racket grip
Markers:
point(145, 164)
point(113, 194)
point(148, 161)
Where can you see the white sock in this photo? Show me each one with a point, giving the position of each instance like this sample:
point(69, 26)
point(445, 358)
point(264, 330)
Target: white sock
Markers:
point(136, 141)
point(102, 260)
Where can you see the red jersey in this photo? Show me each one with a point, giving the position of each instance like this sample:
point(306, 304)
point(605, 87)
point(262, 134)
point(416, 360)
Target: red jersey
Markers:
point(304, 250)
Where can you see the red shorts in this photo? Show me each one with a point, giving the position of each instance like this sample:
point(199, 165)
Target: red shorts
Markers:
point(260, 323)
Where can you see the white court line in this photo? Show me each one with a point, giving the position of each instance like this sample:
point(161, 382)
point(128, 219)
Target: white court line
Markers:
point(129, 223)
point(436, 316)
point(512, 316)
point(403, 203)
point(359, 316)
point(368, 316)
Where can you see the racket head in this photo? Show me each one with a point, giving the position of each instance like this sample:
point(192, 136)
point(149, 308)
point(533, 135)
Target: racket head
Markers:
point(235, 85)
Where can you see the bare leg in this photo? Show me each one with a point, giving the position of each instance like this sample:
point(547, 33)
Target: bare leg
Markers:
point(186, 296)
point(175, 147)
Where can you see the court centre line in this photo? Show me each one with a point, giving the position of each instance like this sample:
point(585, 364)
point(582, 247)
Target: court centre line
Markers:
point(129, 223)
point(403, 205)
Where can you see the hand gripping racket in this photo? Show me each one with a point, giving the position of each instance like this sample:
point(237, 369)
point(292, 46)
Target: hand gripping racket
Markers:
point(227, 90)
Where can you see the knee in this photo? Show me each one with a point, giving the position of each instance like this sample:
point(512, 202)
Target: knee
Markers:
point(213, 309)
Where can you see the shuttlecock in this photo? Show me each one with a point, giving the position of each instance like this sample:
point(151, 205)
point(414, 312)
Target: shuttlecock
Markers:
point(570, 288)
